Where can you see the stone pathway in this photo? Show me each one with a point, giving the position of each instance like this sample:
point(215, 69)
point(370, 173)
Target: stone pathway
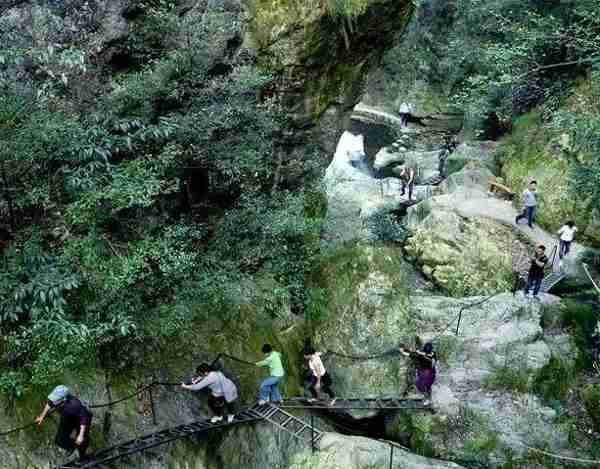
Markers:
point(476, 204)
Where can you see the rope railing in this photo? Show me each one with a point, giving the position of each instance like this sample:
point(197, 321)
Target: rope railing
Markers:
point(141, 390)
point(364, 357)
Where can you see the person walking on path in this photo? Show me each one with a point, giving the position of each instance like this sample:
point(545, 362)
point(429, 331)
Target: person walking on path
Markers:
point(407, 176)
point(529, 204)
point(424, 362)
point(223, 391)
point(319, 378)
point(536, 271)
point(567, 234)
point(269, 388)
point(75, 420)
point(404, 112)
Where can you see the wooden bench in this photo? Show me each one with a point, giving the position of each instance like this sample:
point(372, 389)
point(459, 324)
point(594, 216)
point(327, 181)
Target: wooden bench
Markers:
point(501, 190)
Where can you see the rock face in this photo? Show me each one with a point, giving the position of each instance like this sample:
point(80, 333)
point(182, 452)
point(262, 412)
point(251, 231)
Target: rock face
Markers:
point(464, 255)
point(368, 290)
point(496, 338)
point(321, 56)
point(354, 194)
point(341, 452)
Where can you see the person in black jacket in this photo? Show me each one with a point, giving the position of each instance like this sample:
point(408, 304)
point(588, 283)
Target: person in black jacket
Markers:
point(536, 271)
point(75, 420)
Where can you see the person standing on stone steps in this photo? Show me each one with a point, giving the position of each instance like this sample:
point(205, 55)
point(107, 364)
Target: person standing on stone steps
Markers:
point(269, 388)
point(223, 391)
point(319, 379)
point(407, 176)
point(529, 204)
point(423, 369)
point(536, 271)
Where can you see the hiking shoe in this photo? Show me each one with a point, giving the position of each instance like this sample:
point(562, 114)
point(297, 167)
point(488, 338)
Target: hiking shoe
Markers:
point(261, 402)
point(216, 419)
point(230, 418)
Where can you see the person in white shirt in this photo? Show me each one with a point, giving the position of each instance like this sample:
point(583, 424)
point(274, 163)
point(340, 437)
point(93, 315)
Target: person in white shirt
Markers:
point(319, 379)
point(567, 233)
point(223, 393)
point(404, 111)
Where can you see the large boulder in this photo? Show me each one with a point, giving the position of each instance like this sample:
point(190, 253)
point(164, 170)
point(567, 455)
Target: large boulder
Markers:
point(341, 452)
point(477, 396)
point(368, 290)
point(473, 155)
point(463, 255)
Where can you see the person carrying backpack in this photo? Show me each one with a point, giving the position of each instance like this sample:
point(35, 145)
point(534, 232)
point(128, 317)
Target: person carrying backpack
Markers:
point(75, 420)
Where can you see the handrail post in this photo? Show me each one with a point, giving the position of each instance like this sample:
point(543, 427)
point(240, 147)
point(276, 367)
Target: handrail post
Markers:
point(312, 433)
point(152, 408)
point(459, 318)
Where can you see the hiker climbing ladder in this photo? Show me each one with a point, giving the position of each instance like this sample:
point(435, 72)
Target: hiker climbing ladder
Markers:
point(287, 422)
point(152, 440)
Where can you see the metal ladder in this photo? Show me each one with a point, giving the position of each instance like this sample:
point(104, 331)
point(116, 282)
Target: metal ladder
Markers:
point(162, 437)
point(290, 424)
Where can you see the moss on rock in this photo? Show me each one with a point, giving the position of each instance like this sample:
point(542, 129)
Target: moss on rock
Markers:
point(528, 154)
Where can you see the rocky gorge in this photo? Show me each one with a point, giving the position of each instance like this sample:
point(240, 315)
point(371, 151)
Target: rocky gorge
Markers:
point(383, 271)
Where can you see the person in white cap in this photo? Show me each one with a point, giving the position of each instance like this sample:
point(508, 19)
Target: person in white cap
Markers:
point(75, 420)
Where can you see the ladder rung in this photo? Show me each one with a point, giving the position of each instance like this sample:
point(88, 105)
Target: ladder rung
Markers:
point(302, 428)
point(288, 420)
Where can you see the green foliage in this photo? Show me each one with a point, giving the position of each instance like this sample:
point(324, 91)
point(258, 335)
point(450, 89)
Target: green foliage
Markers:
point(386, 228)
point(591, 401)
point(44, 334)
point(581, 321)
point(553, 380)
point(274, 235)
point(123, 264)
point(509, 379)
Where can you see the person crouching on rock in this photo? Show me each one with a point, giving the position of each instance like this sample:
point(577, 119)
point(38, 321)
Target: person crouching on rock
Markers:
point(75, 419)
point(424, 361)
point(223, 391)
point(319, 378)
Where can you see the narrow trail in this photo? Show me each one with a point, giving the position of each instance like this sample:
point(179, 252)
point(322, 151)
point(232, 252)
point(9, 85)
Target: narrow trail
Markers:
point(481, 205)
